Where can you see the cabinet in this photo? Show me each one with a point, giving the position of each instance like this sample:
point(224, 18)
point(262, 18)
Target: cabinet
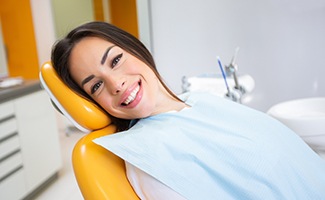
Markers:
point(29, 144)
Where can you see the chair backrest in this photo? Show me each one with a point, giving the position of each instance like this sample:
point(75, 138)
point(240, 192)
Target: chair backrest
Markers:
point(100, 174)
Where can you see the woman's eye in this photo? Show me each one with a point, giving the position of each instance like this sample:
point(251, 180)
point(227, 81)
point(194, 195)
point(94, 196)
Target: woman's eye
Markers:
point(96, 87)
point(116, 60)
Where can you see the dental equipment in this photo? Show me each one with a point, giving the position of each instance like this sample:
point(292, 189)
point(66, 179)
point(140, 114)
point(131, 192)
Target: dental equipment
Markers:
point(229, 94)
point(231, 69)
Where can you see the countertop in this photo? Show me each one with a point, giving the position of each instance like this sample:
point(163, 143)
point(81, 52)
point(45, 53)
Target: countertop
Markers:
point(27, 87)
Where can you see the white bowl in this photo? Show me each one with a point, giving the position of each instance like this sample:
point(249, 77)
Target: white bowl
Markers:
point(304, 116)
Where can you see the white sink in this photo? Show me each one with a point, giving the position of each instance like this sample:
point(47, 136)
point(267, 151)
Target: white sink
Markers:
point(304, 116)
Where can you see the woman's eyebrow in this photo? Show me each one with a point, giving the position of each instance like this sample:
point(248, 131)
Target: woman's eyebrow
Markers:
point(86, 80)
point(105, 54)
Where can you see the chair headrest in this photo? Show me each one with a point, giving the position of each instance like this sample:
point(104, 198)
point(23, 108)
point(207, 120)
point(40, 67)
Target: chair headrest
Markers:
point(82, 113)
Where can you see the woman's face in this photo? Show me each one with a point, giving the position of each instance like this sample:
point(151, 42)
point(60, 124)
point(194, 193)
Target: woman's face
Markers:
point(122, 84)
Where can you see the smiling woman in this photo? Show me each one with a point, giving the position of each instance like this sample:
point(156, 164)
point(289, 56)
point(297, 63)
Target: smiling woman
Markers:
point(113, 77)
point(196, 146)
point(97, 54)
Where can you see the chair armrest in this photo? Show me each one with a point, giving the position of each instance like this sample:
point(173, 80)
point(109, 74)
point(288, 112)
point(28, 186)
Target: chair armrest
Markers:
point(100, 174)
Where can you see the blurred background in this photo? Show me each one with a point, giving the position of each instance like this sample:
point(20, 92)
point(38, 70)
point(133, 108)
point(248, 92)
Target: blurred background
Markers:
point(281, 42)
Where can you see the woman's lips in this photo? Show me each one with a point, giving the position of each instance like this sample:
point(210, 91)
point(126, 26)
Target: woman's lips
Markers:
point(133, 96)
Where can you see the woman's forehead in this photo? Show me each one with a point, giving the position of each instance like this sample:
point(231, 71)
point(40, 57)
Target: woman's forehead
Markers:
point(92, 40)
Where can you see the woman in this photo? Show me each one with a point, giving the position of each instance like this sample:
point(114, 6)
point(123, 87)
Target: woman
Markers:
point(196, 146)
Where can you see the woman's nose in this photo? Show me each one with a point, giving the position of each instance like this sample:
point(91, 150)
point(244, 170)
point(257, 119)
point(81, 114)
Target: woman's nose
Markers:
point(116, 84)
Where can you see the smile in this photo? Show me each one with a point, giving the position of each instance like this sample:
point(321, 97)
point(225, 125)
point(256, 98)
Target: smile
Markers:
point(132, 96)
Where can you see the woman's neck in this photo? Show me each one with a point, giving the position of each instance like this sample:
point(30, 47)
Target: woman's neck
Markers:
point(169, 103)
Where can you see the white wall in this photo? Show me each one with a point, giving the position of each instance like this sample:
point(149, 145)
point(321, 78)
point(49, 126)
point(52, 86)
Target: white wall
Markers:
point(43, 28)
point(144, 23)
point(3, 56)
point(282, 43)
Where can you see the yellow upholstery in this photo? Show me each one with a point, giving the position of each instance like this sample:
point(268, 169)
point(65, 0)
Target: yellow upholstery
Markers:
point(85, 113)
point(99, 173)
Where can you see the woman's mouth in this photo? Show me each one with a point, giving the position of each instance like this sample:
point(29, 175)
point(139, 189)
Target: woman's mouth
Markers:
point(132, 96)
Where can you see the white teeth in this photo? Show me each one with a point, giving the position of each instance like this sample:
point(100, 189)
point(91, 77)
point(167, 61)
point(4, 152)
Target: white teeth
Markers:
point(132, 95)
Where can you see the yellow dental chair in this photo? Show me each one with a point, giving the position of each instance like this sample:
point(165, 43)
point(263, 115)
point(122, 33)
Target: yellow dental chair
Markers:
point(100, 174)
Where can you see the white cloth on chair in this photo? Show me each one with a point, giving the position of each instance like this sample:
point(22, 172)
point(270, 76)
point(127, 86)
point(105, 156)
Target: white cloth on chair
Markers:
point(218, 149)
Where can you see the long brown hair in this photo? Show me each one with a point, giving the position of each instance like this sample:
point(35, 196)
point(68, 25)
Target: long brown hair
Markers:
point(62, 49)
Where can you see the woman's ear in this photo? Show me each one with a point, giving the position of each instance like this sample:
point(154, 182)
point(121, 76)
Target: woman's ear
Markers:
point(84, 114)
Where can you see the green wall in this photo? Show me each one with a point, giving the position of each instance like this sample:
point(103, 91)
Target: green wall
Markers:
point(70, 13)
